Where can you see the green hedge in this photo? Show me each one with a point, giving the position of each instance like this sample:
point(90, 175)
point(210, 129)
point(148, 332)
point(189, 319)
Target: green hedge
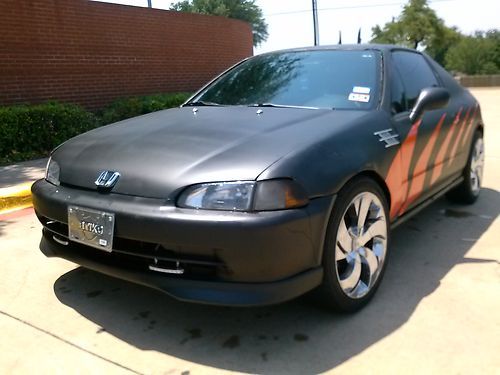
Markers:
point(130, 107)
point(28, 132)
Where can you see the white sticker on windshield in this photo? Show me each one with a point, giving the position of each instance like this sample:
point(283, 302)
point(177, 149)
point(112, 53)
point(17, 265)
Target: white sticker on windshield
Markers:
point(354, 97)
point(361, 90)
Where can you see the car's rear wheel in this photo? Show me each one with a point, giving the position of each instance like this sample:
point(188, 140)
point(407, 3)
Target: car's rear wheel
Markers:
point(468, 191)
point(355, 251)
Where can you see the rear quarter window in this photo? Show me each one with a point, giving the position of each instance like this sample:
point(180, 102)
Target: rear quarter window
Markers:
point(415, 73)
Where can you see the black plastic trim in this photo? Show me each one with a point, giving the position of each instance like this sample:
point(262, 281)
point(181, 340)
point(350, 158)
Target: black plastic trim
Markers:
point(207, 292)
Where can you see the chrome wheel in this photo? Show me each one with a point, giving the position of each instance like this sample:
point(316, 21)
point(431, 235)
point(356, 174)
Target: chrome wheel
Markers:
point(361, 245)
point(477, 166)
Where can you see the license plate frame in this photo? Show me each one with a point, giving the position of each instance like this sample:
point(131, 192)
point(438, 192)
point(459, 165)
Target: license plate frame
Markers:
point(91, 227)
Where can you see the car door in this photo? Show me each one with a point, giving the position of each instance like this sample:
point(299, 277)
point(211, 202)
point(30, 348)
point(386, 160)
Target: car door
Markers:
point(421, 140)
point(454, 146)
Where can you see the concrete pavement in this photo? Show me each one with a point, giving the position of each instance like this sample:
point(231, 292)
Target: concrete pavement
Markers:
point(15, 183)
point(436, 310)
point(22, 172)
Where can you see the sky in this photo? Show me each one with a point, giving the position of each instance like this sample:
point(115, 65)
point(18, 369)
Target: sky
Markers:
point(290, 21)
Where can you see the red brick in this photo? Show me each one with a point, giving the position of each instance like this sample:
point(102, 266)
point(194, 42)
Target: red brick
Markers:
point(89, 52)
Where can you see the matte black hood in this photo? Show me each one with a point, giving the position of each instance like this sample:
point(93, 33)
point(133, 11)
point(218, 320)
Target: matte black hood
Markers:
point(159, 153)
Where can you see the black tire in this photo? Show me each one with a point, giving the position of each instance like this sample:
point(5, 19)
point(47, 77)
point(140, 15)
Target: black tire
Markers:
point(465, 192)
point(331, 292)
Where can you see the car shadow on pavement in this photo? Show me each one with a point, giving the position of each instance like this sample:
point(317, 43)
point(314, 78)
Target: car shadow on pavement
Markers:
point(294, 337)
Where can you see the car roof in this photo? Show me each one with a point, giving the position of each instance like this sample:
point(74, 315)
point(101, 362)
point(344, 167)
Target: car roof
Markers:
point(346, 47)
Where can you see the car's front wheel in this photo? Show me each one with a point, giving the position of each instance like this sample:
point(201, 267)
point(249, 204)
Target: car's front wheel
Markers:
point(355, 250)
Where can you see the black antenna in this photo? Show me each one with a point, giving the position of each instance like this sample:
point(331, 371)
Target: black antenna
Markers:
point(340, 37)
point(315, 22)
point(359, 36)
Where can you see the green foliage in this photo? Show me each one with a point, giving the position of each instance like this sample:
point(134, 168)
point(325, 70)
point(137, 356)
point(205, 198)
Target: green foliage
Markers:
point(245, 10)
point(28, 132)
point(478, 54)
point(415, 26)
point(135, 106)
point(418, 26)
point(442, 40)
point(32, 131)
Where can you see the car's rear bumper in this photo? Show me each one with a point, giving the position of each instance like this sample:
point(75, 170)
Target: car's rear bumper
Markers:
point(230, 258)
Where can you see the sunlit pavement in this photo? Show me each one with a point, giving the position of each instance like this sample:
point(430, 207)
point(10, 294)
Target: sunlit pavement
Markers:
point(437, 310)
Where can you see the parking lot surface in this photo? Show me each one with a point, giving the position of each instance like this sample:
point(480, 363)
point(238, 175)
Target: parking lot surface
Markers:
point(437, 310)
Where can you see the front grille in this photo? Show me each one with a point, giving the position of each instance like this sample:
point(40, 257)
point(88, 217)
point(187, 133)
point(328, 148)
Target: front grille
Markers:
point(143, 256)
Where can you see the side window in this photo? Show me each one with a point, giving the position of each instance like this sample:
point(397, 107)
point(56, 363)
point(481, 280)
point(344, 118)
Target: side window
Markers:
point(398, 97)
point(415, 74)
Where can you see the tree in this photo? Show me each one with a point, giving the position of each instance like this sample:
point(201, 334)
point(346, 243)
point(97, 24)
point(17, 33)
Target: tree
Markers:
point(476, 54)
point(441, 41)
point(418, 26)
point(413, 28)
point(245, 10)
point(494, 37)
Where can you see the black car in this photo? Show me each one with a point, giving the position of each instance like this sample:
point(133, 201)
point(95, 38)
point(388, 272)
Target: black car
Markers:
point(284, 174)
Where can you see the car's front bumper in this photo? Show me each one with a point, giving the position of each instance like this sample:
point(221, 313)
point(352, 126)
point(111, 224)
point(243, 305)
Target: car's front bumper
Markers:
point(231, 258)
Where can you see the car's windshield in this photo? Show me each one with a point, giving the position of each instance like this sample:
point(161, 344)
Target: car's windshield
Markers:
point(340, 79)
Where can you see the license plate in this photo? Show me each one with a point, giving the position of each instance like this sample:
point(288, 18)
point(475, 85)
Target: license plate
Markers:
point(91, 227)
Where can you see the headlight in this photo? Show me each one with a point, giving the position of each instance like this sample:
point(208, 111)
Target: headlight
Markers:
point(52, 172)
point(228, 196)
point(244, 196)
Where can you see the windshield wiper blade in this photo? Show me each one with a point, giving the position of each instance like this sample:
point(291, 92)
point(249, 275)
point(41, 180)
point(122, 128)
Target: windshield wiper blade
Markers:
point(201, 104)
point(268, 105)
point(272, 105)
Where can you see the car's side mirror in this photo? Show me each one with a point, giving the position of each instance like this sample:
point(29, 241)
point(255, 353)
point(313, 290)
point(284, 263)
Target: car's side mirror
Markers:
point(430, 98)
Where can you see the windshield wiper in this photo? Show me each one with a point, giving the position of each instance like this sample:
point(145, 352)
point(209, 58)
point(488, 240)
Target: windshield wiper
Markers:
point(201, 104)
point(272, 105)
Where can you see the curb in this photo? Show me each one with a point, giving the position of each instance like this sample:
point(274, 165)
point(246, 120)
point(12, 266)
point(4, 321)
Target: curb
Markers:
point(15, 197)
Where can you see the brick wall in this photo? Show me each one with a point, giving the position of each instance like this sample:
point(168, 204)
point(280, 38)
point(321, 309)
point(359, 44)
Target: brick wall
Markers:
point(90, 53)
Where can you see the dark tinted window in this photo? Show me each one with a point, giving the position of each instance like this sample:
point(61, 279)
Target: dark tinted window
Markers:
point(324, 79)
point(446, 78)
point(398, 97)
point(415, 74)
